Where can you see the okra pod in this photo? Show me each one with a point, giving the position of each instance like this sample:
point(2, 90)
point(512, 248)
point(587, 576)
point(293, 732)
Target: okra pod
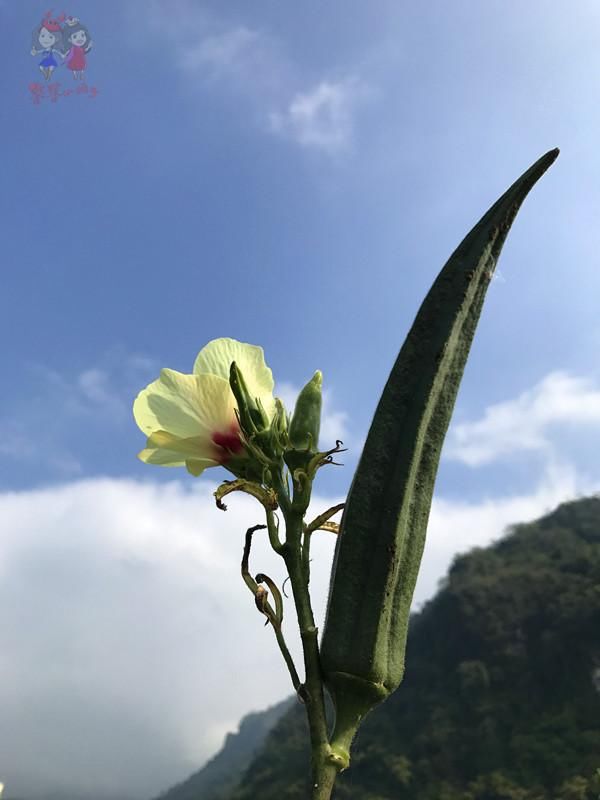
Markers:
point(383, 527)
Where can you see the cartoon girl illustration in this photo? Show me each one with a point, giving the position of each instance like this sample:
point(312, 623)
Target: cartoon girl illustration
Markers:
point(77, 43)
point(48, 39)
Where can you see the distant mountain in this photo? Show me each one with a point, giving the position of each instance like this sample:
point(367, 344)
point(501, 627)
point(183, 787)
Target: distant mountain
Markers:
point(501, 699)
point(217, 779)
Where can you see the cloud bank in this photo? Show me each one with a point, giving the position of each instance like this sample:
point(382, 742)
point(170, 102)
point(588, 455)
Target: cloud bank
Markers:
point(527, 422)
point(130, 643)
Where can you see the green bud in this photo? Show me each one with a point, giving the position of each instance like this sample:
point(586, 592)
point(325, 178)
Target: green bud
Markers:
point(306, 422)
point(253, 417)
point(382, 533)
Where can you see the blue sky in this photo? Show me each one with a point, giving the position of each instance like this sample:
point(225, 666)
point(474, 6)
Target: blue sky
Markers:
point(291, 175)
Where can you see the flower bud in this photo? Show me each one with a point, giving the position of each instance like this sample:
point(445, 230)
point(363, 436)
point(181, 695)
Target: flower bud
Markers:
point(306, 422)
point(253, 417)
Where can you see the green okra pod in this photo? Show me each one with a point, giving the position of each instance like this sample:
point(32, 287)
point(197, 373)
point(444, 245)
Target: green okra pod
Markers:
point(383, 527)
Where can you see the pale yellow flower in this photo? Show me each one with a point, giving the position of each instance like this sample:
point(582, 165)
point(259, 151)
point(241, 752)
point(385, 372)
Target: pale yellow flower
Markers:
point(190, 420)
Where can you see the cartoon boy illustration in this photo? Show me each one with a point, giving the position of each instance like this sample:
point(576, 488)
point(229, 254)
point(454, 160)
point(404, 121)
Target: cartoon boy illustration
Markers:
point(47, 39)
point(77, 44)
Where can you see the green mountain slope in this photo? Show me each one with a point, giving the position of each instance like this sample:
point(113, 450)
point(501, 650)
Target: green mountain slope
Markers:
point(501, 699)
point(217, 779)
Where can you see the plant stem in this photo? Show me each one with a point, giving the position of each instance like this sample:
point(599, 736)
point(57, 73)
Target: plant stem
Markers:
point(287, 658)
point(273, 617)
point(305, 550)
point(296, 553)
point(324, 770)
point(324, 775)
point(273, 528)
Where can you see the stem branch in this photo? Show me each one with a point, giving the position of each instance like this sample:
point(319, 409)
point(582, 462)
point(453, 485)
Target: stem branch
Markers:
point(274, 617)
point(324, 768)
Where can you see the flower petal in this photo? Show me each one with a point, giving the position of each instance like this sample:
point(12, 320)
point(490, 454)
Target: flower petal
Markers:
point(196, 467)
point(164, 458)
point(197, 447)
point(169, 458)
point(216, 359)
point(185, 406)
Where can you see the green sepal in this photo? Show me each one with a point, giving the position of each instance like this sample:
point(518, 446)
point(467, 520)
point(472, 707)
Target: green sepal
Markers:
point(353, 698)
point(265, 496)
point(278, 435)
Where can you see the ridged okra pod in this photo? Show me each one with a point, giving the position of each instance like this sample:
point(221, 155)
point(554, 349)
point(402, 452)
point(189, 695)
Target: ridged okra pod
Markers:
point(384, 523)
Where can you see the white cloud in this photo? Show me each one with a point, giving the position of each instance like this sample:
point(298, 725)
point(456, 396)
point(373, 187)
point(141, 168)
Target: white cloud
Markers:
point(124, 616)
point(95, 386)
point(105, 388)
point(221, 52)
point(44, 425)
point(524, 423)
point(323, 117)
point(252, 63)
point(456, 526)
point(208, 48)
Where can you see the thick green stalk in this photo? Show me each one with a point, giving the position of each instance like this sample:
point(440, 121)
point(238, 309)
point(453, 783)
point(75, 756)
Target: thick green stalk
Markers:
point(324, 767)
point(325, 773)
point(312, 693)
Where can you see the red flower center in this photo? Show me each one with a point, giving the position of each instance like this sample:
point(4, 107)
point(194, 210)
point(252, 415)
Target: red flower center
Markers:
point(228, 443)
